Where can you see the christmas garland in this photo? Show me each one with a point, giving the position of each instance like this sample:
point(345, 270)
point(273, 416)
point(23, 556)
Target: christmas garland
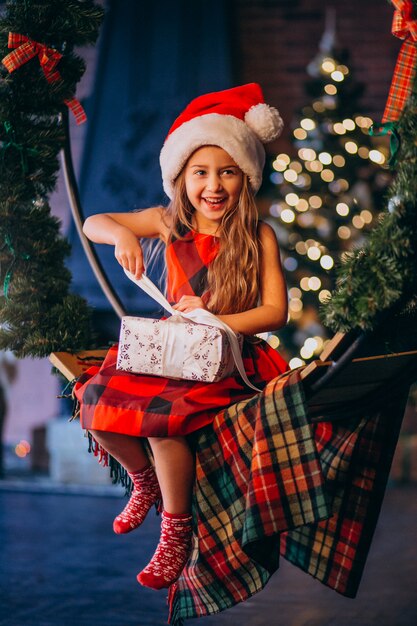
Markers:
point(38, 76)
point(379, 280)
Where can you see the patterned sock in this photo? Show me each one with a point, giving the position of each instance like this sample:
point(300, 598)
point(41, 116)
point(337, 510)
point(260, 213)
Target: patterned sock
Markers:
point(171, 554)
point(146, 492)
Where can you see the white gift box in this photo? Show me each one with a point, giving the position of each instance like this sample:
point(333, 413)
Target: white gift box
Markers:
point(190, 346)
point(174, 348)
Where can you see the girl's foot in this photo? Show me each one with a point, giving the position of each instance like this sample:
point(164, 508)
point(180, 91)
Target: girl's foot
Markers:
point(145, 494)
point(172, 552)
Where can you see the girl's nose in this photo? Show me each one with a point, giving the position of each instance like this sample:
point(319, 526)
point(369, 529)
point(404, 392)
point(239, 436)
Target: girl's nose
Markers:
point(213, 183)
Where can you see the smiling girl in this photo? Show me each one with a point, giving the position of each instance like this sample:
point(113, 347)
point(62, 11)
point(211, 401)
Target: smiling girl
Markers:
point(218, 257)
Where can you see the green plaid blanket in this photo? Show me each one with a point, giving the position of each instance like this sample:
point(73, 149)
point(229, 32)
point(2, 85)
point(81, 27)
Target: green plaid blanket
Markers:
point(268, 483)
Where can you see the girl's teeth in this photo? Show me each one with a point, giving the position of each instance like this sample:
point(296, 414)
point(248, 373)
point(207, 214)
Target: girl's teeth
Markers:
point(214, 201)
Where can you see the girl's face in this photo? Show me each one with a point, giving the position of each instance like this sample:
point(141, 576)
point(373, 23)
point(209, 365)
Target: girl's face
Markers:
point(213, 183)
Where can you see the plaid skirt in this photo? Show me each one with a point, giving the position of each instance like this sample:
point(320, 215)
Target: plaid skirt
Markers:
point(149, 406)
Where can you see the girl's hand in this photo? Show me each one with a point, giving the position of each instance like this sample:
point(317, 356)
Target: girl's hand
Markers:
point(189, 303)
point(128, 252)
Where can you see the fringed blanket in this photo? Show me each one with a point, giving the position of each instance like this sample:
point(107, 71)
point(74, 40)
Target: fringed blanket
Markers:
point(268, 483)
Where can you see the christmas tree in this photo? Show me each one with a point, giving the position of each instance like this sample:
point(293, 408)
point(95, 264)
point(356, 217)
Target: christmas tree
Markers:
point(327, 194)
point(38, 76)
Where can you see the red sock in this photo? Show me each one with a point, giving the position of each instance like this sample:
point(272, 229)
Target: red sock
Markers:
point(171, 554)
point(146, 492)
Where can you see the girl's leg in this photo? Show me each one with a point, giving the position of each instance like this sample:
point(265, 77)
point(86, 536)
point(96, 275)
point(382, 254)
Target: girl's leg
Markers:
point(128, 450)
point(174, 463)
point(174, 466)
point(130, 453)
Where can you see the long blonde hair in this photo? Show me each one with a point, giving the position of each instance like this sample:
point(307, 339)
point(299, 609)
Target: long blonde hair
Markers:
point(236, 289)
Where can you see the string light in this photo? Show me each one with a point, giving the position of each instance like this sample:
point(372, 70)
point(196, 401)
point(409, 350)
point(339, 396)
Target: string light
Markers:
point(330, 89)
point(326, 262)
point(315, 202)
point(296, 166)
point(339, 129)
point(302, 205)
point(337, 75)
point(343, 69)
point(314, 253)
point(296, 362)
point(351, 147)
point(290, 264)
point(363, 122)
point(358, 222)
point(300, 247)
point(307, 154)
point(366, 216)
point(287, 216)
point(339, 160)
point(324, 295)
point(342, 208)
point(273, 341)
point(344, 232)
point(325, 158)
point(296, 305)
point(290, 176)
point(363, 152)
point(318, 106)
point(315, 166)
point(349, 124)
point(280, 164)
point(22, 449)
point(314, 283)
point(300, 133)
point(308, 124)
point(328, 65)
point(376, 156)
point(327, 175)
point(292, 199)
point(304, 284)
point(294, 292)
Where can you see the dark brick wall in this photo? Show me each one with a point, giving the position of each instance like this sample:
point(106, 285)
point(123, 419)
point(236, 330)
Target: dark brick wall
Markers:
point(276, 39)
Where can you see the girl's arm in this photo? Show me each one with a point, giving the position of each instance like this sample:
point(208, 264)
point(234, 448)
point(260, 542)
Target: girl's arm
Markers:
point(123, 230)
point(272, 313)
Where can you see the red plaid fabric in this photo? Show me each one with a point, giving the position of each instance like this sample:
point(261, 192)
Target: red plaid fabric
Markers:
point(27, 49)
point(258, 474)
point(268, 483)
point(405, 28)
point(150, 406)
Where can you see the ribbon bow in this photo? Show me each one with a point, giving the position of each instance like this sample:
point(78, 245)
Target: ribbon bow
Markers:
point(26, 49)
point(403, 27)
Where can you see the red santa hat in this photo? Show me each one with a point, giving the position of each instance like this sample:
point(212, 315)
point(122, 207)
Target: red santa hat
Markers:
point(237, 120)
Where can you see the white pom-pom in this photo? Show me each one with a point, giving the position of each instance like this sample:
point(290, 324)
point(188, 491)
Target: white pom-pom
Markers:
point(265, 121)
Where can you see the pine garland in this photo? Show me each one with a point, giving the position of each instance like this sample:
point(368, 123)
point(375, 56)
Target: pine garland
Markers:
point(38, 315)
point(379, 280)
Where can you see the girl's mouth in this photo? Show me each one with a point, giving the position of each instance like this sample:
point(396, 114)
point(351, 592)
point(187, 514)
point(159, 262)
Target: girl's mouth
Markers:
point(215, 203)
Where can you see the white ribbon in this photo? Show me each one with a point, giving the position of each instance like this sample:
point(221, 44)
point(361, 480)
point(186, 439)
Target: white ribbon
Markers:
point(200, 316)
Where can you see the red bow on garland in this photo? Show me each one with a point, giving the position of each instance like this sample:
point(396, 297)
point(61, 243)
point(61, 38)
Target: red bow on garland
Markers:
point(26, 49)
point(404, 27)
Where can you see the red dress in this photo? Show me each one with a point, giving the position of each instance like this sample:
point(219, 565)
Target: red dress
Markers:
point(150, 406)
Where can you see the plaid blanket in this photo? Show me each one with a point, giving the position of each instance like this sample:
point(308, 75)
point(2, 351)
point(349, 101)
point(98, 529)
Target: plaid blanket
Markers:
point(269, 482)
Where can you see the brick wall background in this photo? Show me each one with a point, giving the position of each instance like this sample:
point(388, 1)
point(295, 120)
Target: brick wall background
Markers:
point(276, 39)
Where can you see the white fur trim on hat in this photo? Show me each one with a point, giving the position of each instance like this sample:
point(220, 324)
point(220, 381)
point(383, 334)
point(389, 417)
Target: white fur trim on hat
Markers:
point(227, 132)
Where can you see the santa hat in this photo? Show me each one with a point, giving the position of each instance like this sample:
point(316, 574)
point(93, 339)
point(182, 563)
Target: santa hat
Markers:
point(237, 120)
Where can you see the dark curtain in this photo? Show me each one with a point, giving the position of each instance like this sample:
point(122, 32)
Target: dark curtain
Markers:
point(154, 57)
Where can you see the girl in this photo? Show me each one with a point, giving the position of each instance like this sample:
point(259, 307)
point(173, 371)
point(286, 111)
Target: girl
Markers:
point(218, 257)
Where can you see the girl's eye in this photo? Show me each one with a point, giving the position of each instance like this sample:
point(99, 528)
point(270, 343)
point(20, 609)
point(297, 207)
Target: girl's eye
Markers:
point(229, 172)
point(199, 172)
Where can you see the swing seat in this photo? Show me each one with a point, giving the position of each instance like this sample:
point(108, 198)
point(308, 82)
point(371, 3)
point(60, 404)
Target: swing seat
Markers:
point(365, 383)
